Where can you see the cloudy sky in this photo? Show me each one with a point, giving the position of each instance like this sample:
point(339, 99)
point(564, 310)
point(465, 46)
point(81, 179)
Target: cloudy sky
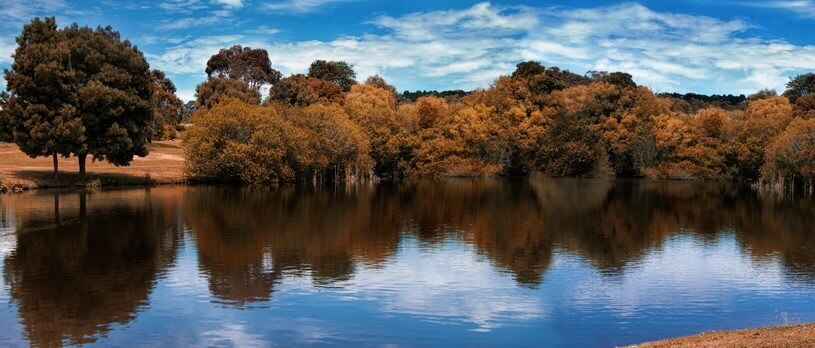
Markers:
point(698, 46)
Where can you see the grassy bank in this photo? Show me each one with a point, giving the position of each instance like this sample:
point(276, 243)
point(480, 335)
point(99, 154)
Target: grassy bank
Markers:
point(783, 336)
point(164, 165)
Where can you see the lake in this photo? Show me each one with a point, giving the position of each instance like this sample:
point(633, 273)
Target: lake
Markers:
point(529, 262)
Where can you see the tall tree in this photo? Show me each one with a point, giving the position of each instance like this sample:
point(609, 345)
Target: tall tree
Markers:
point(218, 89)
point(799, 86)
point(252, 66)
point(528, 69)
point(302, 90)
point(166, 105)
point(338, 72)
point(78, 91)
point(39, 114)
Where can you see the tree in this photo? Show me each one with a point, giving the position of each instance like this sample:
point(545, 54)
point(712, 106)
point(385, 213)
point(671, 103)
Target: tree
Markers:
point(338, 72)
point(217, 89)
point(790, 157)
point(800, 86)
point(525, 70)
point(379, 82)
point(302, 90)
point(252, 66)
point(374, 110)
point(746, 140)
point(235, 141)
point(619, 79)
point(167, 107)
point(78, 91)
point(338, 148)
point(6, 131)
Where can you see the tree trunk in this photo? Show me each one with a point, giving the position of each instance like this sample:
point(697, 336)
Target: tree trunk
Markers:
point(82, 158)
point(56, 166)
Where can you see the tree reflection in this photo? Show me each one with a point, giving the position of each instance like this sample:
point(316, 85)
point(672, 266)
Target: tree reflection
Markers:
point(249, 237)
point(84, 262)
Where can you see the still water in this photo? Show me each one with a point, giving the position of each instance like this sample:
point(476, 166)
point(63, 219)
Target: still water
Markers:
point(453, 262)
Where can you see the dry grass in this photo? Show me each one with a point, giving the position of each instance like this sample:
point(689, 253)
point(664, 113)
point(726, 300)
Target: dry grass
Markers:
point(164, 165)
point(783, 336)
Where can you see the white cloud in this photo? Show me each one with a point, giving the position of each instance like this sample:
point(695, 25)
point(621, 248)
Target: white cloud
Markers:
point(14, 12)
point(470, 47)
point(182, 6)
point(264, 30)
point(300, 6)
point(191, 57)
point(468, 288)
point(211, 19)
point(231, 3)
point(803, 7)
point(7, 47)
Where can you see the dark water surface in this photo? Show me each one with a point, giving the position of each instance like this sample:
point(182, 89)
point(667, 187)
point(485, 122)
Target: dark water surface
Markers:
point(470, 262)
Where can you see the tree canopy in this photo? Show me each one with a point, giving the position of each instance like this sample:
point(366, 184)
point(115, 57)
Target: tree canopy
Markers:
point(337, 72)
point(251, 66)
point(77, 91)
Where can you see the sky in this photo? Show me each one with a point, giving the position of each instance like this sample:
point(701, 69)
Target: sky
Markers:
point(708, 47)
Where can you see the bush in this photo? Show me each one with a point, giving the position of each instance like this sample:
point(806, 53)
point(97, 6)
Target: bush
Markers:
point(235, 141)
point(168, 132)
point(790, 158)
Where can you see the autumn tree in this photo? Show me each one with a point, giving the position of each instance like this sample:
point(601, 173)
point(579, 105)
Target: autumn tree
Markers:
point(236, 141)
point(790, 157)
point(251, 66)
point(218, 89)
point(800, 86)
point(379, 82)
point(337, 72)
point(78, 91)
point(166, 106)
point(374, 109)
point(746, 141)
point(302, 90)
point(337, 148)
point(525, 70)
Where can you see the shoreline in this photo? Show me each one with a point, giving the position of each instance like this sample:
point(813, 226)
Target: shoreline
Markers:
point(801, 335)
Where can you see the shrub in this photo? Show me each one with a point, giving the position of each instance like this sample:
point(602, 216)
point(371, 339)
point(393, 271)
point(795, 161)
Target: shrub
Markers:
point(790, 158)
point(235, 141)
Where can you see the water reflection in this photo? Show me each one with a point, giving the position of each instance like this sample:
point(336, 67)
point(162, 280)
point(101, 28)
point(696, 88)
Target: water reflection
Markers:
point(81, 265)
point(493, 253)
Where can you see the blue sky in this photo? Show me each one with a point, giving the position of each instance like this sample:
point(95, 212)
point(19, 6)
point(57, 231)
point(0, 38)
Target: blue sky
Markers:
point(683, 46)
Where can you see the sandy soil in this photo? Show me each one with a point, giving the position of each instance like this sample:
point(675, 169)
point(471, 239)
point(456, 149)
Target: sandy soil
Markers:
point(785, 336)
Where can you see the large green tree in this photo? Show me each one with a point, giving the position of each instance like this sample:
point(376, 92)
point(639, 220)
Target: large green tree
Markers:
point(218, 89)
point(166, 106)
point(78, 91)
point(249, 65)
point(340, 73)
point(800, 86)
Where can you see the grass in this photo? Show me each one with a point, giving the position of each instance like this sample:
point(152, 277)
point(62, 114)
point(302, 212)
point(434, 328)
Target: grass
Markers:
point(782, 336)
point(164, 165)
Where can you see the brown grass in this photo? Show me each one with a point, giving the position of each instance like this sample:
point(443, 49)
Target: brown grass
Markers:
point(164, 165)
point(783, 336)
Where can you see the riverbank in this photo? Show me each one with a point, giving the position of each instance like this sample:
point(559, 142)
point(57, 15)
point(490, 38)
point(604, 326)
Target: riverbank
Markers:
point(164, 165)
point(783, 336)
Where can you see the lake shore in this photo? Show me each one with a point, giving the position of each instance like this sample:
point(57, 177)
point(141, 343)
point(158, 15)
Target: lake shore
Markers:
point(163, 165)
point(781, 336)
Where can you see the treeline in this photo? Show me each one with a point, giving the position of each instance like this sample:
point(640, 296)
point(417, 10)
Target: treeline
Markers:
point(323, 125)
point(82, 92)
